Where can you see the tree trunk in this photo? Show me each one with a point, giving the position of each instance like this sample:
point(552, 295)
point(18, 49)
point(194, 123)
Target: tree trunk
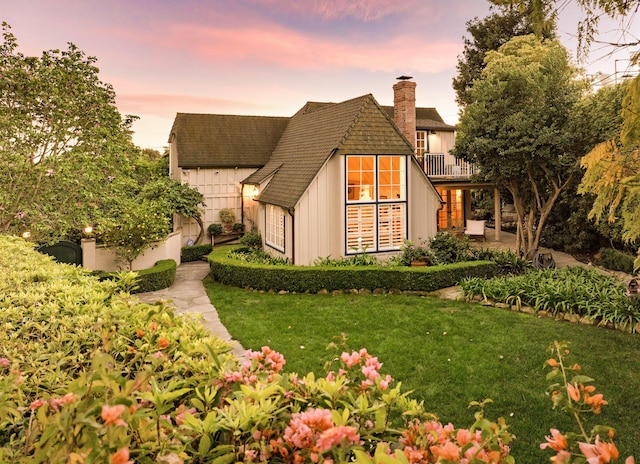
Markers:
point(198, 219)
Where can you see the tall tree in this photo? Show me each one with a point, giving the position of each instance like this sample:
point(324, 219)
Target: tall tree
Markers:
point(488, 34)
point(516, 128)
point(593, 10)
point(613, 171)
point(62, 140)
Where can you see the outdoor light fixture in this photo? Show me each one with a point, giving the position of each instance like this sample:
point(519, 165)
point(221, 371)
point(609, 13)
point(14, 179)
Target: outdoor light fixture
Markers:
point(251, 191)
point(26, 235)
point(87, 230)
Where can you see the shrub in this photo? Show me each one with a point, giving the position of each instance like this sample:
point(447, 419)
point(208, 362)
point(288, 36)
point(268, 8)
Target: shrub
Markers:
point(194, 253)
point(419, 252)
point(574, 290)
point(227, 216)
point(161, 275)
point(252, 239)
point(228, 270)
point(238, 227)
point(215, 230)
point(616, 260)
point(447, 248)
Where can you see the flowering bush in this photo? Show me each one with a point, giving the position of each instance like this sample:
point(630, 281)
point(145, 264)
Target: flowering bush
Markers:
point(91, 375)
point(572, 393)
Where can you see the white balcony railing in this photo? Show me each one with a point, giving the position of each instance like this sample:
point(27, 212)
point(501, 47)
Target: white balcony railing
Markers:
point(446, 165)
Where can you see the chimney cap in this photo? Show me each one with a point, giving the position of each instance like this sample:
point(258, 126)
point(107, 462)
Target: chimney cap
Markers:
point(404, 78)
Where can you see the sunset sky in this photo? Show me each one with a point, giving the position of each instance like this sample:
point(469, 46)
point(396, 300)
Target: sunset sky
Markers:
point(258, 57)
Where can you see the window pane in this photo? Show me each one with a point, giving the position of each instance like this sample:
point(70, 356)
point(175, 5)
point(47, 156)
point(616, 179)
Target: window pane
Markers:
point(360, 228)
point(360, 178)
point(391, 181)
point(391, 226)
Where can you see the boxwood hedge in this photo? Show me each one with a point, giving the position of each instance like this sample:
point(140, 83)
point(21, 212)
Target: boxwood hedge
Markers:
point(312, 279)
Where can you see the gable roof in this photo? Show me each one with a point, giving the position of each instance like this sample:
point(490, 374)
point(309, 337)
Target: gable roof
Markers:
point(222, 140)
point(426, 118)
point(318, 131)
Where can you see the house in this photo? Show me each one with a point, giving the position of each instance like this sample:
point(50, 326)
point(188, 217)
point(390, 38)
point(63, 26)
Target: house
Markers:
point(334, 179)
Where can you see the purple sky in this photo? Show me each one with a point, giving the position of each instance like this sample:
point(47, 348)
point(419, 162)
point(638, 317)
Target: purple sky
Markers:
point(259, 57)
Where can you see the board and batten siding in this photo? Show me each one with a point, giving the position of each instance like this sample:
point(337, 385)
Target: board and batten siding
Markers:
point(424, 203)
point(221, 188)
point(319, 215)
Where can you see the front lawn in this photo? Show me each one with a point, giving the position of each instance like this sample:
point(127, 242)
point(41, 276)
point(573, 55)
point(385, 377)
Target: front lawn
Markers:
point(449, 353)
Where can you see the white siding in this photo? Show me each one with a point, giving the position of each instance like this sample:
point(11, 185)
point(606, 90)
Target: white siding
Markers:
point(423, 206)
point(319, 216)
point(221, 189)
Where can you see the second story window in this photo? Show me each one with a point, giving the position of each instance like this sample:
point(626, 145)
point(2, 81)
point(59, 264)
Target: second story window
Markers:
point(376, 210)
point(421, 143)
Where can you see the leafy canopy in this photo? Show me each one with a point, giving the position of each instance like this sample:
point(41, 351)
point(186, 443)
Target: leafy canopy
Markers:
point(516, 127)
point(67, 159)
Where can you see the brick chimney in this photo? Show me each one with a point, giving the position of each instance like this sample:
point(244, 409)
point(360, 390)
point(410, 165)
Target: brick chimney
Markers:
point(404, 107)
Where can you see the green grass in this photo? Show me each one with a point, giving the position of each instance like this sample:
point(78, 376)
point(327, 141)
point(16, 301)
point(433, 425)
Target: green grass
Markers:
point(449, 354)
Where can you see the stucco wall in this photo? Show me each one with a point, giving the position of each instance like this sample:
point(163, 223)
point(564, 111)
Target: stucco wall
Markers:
point(102, 258)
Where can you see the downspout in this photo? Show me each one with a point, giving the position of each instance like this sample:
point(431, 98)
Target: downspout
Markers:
point(293, 235)
point(241, 203)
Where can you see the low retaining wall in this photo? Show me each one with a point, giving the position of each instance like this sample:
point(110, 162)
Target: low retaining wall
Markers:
point(103, 258)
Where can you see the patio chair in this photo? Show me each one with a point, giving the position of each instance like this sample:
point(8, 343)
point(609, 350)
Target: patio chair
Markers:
point(475, 229)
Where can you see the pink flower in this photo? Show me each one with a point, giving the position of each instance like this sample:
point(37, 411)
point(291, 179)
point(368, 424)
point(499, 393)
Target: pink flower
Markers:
point(304, 427)
point(69, 398)
point(181, 412)
point(351, 360)
point(4, 362)
point(111, 415)
point(599, 452)
point(36, 404)
point(336, 436)
point(50, 173)
point(448, 451)
point(556, 441)
point(121, 457)
point(384, 383)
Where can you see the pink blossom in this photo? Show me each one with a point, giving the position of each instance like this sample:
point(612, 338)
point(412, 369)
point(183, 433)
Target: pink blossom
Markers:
point(36, 404)
point(331, 377)
point(69, 398)
point(111, 415)
point(384, 383)
point(181, 412)
point(336, 436)
point(20, 214)
point(304, 427)
point(50, 173)
point(4, 362)
point(351, 359)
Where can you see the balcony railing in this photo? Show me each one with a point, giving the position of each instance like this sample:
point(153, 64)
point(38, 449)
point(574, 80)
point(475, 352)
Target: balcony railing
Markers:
point(446, 165)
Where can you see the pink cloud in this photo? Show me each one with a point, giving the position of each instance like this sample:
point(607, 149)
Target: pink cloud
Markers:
point(362, 10)
point(165, 105)
point(282, 47)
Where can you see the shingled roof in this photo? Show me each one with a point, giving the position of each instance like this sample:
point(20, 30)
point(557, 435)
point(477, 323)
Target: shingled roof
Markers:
point(318, 131)
point(222, 140)
point(426, 118)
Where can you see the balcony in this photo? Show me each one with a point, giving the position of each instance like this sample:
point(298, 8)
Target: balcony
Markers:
point(444, 165)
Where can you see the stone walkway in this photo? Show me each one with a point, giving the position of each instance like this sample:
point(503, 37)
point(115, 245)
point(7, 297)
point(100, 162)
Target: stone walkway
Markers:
point(187, 295)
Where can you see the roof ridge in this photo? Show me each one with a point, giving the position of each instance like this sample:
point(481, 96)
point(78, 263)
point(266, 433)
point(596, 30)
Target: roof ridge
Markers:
point(365, 99)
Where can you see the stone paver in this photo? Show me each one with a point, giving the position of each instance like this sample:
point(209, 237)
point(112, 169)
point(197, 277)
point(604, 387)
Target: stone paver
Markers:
point(187, 295)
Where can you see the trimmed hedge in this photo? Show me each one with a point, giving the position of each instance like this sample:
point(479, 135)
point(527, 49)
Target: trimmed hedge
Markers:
point(160, 276)
point(194, 253)
point(615, 260)
point(312, 279)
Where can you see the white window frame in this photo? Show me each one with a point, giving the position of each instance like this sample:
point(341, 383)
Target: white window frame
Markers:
point(275, 227)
